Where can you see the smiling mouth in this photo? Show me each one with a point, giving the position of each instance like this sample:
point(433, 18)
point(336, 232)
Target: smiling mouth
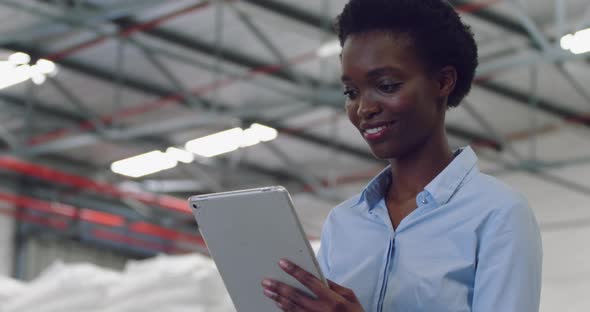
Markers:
point(377, 133)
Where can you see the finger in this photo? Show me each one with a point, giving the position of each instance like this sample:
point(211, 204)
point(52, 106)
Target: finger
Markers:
point(279, 291)
point(309, 280)
point(288, 305)
point(283, 303)
point(347, 293)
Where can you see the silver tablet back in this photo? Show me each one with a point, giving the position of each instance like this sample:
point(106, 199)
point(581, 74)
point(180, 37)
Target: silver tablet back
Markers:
point(247, 233)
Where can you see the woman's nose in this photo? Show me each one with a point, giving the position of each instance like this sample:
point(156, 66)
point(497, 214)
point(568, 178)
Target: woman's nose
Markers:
point(368, 107)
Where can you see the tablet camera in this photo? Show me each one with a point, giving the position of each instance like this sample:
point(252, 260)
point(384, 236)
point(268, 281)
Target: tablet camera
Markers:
point(195, 206)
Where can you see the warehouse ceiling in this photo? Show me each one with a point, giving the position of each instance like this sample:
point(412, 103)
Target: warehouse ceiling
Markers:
point(138, 76)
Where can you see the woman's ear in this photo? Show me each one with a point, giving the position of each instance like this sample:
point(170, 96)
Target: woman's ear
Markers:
point(447, 79)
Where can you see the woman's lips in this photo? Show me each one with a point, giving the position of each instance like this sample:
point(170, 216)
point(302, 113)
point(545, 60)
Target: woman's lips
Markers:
point(377, 133)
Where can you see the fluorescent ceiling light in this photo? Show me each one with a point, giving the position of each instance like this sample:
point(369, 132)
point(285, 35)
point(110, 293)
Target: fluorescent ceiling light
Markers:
point(208, 146)
point(249, 138)
point(216, 144)
point(45, 67)
point(38, 79)
point(11, 75)
point(180, 155)
point(230, 140)
point(17, 70)
point(329, 49)
point(19, 58)
point(144, 164)
point(577, 43)
point(263, 133)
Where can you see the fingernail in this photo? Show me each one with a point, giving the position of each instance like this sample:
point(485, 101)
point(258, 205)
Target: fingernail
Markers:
point(267, 283)
point(284, 264)
point(269, 293)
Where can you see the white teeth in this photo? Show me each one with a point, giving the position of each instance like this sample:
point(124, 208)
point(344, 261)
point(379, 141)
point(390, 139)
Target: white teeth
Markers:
point(375, 130)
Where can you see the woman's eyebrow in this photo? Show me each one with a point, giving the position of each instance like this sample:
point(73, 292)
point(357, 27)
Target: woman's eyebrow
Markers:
point(380, 71)
point(376, 72)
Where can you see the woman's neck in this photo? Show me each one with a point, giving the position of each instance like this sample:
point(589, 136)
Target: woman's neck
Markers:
point(415, 170)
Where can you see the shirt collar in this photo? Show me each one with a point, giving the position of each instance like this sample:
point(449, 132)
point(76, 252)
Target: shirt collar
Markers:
point(441, 188)
point(446, 183)
point(376, 189)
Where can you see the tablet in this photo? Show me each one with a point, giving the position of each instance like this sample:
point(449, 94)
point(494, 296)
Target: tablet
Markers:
point(247, 232)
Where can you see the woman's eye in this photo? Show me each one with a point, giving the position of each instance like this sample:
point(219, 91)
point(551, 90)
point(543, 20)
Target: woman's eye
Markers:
point(350, 94)
point(389, 87)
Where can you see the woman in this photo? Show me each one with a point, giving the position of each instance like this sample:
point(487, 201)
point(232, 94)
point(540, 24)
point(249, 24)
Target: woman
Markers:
point(431, 232)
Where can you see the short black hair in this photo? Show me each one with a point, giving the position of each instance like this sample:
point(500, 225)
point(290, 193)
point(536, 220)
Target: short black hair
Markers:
point(434, 27)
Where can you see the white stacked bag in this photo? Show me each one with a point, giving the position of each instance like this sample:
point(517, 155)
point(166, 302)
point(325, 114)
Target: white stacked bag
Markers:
point(10, 288)
point(164, 283)
point(170, 283)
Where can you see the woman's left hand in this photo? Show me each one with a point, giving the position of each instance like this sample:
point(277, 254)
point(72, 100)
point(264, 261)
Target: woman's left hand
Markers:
point(329, 298)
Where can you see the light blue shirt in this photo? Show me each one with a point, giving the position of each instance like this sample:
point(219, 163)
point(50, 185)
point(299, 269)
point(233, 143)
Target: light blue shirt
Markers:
point(472, 244)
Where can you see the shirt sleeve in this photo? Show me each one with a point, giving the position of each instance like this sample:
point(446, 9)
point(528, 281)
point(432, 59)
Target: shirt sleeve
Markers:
point(508, 272)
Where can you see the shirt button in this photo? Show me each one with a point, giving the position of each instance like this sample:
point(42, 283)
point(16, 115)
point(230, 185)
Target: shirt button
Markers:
point(424, 201)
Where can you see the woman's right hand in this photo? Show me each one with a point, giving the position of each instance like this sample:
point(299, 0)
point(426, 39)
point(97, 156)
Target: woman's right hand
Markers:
point(329, 298)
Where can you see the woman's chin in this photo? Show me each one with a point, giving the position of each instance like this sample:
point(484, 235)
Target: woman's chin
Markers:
point(385, 153)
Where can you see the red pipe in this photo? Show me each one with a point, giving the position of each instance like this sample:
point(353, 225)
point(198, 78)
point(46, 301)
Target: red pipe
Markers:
point(91, 216)
point(476, 6)
point(83, 183)
point(38, 220)
point(103, 234)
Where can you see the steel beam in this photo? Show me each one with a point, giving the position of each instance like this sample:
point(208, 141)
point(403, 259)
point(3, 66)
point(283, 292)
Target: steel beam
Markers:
point(537, 170)
point(97, 72)
point(476, 138)
point(292, 12)
point(576, 85)
point(534, 34)
point(148, 135)
point(518, 59)
point(267, 43)
point(503, 22)
point(62, 115)
point(507, 24)
point(47, 109)
point(228, 55)
point(49, 28)
point(544, 105)
point(192, 100)
point(475, 114)
point(77, 103)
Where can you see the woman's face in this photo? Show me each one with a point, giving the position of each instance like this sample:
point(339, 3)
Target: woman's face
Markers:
point(390, 97)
